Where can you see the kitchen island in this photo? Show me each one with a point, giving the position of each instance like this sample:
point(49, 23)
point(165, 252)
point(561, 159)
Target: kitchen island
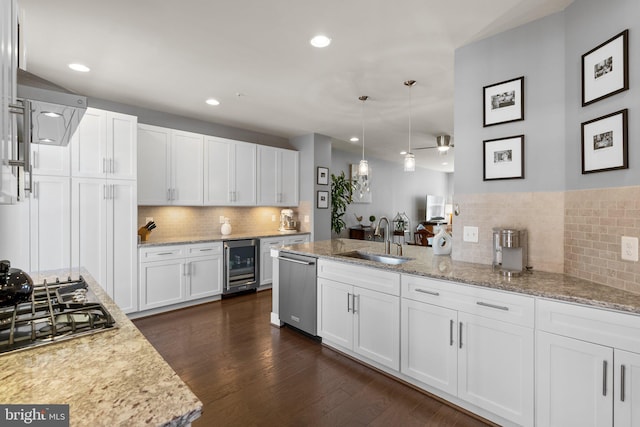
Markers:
point(110, 378)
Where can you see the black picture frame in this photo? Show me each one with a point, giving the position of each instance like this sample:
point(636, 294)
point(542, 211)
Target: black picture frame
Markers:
point(503, 158)
point(322, 176)
point(601, 77)
point(503, 102)
point(604, 143)
point(322, 200)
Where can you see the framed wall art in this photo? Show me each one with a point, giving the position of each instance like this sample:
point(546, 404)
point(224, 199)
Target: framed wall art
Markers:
point(503, 102)
point(604, 143)
point(322, 176)
point(605, 69)
point(503, 158)
point(323, 200)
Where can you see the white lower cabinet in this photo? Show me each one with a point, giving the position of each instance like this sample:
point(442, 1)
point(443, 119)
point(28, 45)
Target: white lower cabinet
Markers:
point(268, 243)
point(354, 318)
point(179, 273)
point(587, 367)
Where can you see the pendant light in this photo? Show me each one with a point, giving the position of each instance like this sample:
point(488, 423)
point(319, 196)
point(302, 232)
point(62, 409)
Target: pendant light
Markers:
point(409, 158)
point(363, 167)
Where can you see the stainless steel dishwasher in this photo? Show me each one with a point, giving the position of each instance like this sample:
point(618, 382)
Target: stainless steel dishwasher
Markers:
point(297, 287)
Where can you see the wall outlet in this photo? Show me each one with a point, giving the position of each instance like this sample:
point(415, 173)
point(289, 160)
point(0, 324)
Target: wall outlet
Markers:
point(470, 234)
point(629, 248)
point(221, 219)
point(148, 219)
point(306, 219)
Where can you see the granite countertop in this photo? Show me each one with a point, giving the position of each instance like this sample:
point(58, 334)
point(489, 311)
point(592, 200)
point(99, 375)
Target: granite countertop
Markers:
point(110, 378)
point(424, 263)
point(216, 237)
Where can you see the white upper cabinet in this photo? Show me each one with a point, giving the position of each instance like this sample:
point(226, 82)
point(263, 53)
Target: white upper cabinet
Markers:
point(50, 160)
point(170, 167)
point(277, 176)
point(104, 146)
point(229, 172)
point(8, 68)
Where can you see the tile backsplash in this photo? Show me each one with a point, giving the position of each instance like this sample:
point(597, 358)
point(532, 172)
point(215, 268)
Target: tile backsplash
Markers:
point(189, 221)
point(575, 232)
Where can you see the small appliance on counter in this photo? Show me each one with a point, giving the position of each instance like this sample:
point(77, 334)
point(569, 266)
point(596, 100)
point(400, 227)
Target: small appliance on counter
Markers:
point(510, 252)
point(287, 223)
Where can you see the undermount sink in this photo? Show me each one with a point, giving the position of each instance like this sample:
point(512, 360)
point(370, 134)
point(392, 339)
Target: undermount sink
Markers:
point(385, 259)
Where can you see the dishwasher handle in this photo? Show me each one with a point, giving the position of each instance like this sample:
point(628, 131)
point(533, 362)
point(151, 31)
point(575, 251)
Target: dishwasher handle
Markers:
point(296, 261)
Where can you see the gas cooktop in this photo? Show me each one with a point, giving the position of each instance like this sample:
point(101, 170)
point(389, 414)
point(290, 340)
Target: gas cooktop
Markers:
point(56, 311)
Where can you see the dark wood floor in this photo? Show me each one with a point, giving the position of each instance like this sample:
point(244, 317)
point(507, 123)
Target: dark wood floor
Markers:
point(249, 373)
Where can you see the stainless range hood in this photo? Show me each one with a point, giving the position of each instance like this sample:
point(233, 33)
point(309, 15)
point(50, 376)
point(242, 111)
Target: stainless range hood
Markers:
point(55, 111)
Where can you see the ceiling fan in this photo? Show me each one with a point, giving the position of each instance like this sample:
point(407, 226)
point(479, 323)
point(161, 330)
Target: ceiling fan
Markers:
point(443, 144)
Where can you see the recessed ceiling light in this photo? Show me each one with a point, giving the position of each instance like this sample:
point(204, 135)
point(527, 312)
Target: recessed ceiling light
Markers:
point(402, 153)
point(79, 67)
point(320, 41)
point(212, 101)
point(354, 139)
point(51, 114)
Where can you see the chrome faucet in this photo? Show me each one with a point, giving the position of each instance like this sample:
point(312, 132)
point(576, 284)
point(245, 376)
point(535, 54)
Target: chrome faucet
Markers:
point(387, 235)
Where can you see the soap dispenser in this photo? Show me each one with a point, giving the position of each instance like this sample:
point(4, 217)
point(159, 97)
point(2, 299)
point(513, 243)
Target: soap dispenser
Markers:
point(442, 242)
point(226, 227)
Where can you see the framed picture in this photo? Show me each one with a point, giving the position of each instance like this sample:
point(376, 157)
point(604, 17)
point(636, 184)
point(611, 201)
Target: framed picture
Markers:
point(605, 69)
point(322, 176)
point(323, 200)
point(361, 189)
point(604, 143)
point(503, 102)
point(503, 158)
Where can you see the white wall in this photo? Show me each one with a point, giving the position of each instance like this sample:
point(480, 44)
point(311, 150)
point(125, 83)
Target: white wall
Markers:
point(393, 190)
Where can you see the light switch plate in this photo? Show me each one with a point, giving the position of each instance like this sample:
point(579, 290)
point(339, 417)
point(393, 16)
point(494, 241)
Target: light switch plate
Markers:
point(470, 234)
point(629, 248)
point(221, 219)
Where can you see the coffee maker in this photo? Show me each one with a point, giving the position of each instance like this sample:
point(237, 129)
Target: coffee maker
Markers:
point(510, 251)
point(287, 223)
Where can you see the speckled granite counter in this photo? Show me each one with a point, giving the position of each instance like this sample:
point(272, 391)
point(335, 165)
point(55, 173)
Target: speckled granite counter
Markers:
point(424, 263)
point(183, 240)
point(110, 378)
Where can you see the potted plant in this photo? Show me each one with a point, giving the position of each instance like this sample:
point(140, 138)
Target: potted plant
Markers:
point(341, 188)
point(372, 219)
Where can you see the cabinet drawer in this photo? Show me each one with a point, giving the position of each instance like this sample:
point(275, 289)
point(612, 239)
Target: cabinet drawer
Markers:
point(295, 240)
point(600, 326)
point(204, 249)
point(364, 277)
point(159, 253)
point(432, 291)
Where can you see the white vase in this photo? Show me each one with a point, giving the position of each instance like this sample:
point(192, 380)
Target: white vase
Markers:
point(442, 242)
point(226, 228)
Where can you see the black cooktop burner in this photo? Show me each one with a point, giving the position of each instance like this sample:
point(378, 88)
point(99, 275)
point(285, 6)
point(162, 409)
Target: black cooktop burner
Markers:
point(56, 311)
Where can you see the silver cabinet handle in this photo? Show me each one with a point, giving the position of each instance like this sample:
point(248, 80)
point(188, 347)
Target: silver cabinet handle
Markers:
point(168, 194)
point(451, 332)
point(348, 302)
point(113, 191)
point(353, 303)
point(499, 307)
point(424, 291)
point(297, 261)
point(165, 253)
point(604, 377)
point(205, 250)
point(104, 165)
point(622, 375)
point(460, 336)
point(104, 191)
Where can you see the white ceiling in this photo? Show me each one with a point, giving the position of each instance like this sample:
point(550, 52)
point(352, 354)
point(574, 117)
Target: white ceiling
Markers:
point(254, 56)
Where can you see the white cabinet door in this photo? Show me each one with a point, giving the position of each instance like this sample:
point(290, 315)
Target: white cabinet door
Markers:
point(50, 160)
point(496, 367)
point(89, 227)
point(266, 262)
point(627, 389)
point(268, 176)
point(244, 174)
point(161, 283)
point(217, 171)
point(50, 225)
point(89, 157)
point(574, 382)
point(186, 168)
point(121, 145)
point(154, 151)
point(335, 318)
point(289, 178)
point(122, 244)
point(204, 277)
point(377, 326)
point(429, 344)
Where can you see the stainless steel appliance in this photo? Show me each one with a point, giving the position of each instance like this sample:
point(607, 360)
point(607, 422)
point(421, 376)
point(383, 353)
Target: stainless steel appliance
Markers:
point(297, 292)
point(286, 220)
point(54, 312)
point(241, 263)
point(510, 251)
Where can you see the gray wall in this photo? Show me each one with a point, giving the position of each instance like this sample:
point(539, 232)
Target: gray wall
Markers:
point(159, 118)
point(393, 190)
point(588, 24)
point(535, 51)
